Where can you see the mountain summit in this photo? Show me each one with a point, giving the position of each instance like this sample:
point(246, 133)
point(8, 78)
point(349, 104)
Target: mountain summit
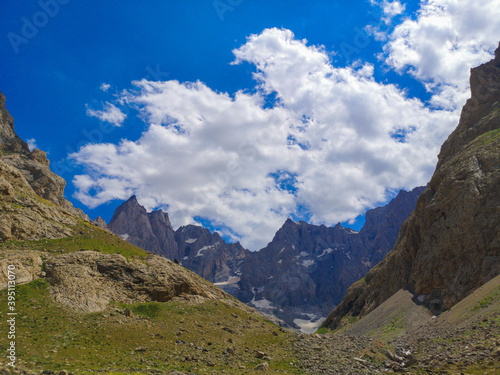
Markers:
point(450, 245)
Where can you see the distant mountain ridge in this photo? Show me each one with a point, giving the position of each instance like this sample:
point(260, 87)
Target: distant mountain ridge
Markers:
point(302, 273)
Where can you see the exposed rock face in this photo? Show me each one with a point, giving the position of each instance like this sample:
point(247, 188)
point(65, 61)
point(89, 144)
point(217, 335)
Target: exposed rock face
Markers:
point(100, 222)
point(9, 140)
point(150, 231)
point(209, 255)
point(27, 266)
point(32, 202)
point(111, 277)
point(306, 269)
point(450, 245)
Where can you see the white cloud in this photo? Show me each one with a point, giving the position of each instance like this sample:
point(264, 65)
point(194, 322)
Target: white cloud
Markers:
point(110, 113)
point(393, 8)
point(226, 157)
point(31, 143)
point(104, 86)
point(446, 39)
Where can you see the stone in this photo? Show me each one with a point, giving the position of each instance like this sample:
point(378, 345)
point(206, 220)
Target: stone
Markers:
point(262, 367)
point(260, 354)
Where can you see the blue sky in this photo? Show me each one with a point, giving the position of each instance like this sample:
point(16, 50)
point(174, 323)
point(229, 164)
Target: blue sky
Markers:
point(239, 122)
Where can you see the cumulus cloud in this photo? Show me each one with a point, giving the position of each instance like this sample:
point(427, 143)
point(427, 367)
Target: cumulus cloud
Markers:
point(393, 8)
point(110, 113)
point(332, 144)
point(104, 87)
point(439, 47)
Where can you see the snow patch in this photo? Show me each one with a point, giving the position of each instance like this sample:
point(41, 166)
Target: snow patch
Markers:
point(309, 326)
point(303, 254)
point(124, 236)
point(281, 251)
point(199, 254)
point(307, 263)
point(326, 251)
point(262, 304)
point(191, 240)
point(279, 261)
point(185, 258)
point(232, 280)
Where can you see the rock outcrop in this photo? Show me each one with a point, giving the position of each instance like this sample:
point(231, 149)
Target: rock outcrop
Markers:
point(111, 277)
point(149, 231)
point(450, 245)
point(32, 199)
point(208, 255)
point(195, 247)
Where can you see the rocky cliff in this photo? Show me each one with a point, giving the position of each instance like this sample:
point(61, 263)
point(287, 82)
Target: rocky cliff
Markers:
point(450, 245)
point(306, 269)
point(32, 202)
point(150, 231)
point(209, 255)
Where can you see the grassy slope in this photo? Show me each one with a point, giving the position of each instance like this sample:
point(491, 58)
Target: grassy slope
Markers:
point(394, 318)
point(51, 337)
point(88, 237)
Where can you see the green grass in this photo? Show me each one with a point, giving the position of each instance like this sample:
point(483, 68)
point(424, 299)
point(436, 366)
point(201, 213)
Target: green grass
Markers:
point(147, 309)
point(88, 237)
point(322, 331)
point(489, 137)
point(50, 337)
point(487, 301)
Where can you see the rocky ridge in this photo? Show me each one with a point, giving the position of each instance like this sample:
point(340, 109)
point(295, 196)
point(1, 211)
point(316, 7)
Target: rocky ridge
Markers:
point(306, 269)
point(450, 245)
point(32, 199)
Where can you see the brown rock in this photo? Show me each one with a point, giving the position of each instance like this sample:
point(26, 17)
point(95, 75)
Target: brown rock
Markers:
point(262, 367)
point(112, 277)
point(450, 245)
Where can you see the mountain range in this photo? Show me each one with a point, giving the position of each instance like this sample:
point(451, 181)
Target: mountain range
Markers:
point(298, 277)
